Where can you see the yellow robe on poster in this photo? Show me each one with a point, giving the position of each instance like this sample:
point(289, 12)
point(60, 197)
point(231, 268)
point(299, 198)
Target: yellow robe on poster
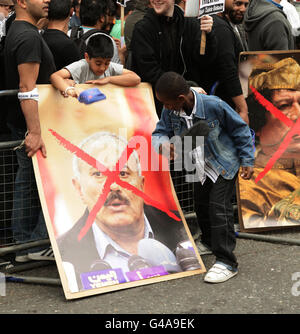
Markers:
point(275, 199)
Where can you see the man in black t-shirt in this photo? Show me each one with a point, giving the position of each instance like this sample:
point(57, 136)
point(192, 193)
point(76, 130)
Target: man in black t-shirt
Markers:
point(64, 50)
point(28, 61)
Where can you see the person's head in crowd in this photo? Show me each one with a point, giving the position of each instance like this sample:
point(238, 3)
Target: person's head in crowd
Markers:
point(235, 10)
point(173, 91)
point(123, 210)
point(93, 13)
point(5, 7)
point(59, 10)
point(279, 84)
point(142, 4)
point(111, 15)
point(32, 10)
point(98, 53)
point(163, 7)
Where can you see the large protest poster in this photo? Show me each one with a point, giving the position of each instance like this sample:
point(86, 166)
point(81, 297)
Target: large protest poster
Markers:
point(271, 85)
point(112, 214)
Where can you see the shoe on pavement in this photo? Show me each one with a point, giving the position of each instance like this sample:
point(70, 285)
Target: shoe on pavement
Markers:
point(203, 249)
point(219, 273)
point(44, 255)
point(22, 258)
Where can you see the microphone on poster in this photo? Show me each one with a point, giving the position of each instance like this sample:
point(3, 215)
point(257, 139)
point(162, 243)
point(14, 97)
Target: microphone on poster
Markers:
point(157, 254)
point(136, 262)
point(100, 265)
point(186, 258)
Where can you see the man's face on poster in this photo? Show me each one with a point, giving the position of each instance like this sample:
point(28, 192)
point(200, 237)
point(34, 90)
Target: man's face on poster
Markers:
point(123, 210)
point(274, 131)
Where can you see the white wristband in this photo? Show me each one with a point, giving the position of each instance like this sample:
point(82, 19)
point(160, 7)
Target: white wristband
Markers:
point(68, 88)
point(32, 95)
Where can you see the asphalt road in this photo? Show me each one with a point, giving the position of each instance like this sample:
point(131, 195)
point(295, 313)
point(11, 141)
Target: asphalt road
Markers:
point(268, 283)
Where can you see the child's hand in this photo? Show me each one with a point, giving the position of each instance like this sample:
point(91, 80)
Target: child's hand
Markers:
point(70, 91)
point(168, 150)
point(102, 81)
point(246, 172)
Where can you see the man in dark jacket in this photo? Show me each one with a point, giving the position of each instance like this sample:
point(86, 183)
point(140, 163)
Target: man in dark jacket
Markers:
point(267, 27)
point(164, 40)
point(223, 78)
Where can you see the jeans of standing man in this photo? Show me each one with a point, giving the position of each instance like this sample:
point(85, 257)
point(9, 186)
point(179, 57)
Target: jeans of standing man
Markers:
point(28, 222)
point(214, 210)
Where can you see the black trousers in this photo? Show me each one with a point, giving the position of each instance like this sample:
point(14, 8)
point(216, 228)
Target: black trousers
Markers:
point(213, 206)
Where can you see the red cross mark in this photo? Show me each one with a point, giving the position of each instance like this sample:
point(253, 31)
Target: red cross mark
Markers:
point(112, 177)
point(295, 128)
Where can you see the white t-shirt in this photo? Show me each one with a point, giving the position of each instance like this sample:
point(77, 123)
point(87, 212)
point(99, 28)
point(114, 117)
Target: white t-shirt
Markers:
point(80, 71)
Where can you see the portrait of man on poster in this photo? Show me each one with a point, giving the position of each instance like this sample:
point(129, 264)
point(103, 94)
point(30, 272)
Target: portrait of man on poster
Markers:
point(125, 230)
point(272, 197)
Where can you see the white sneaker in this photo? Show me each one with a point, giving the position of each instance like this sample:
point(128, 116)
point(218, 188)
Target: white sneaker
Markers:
point(219, 273)
point(22, 258)
point(44, 255)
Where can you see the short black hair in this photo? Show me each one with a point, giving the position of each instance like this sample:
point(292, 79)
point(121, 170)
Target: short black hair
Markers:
point(100, 45)
point(59, 9)
point(91, 11)
point(171, 85)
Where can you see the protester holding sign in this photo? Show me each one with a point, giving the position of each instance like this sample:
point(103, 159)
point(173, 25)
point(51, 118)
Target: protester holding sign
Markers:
point(165, 40)
point(222, 79)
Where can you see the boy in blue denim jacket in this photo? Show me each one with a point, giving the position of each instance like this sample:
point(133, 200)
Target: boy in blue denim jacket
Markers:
point(227, 147)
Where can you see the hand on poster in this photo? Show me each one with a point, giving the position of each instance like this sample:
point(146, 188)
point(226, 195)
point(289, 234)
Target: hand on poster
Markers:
point(33, 143)
point(206, 23)
point(102, 81)
point(246, 172)
point(70, 91)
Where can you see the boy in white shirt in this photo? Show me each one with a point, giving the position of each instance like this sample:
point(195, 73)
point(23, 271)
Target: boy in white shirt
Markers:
point(95, 68)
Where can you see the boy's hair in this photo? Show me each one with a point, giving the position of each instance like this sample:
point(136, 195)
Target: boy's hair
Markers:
point(171, 85)
point(59, 9)
point(91, 11)
point(100, 45)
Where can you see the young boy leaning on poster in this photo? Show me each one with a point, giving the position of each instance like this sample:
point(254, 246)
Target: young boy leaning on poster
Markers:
point(227, 147)
point(95, 68)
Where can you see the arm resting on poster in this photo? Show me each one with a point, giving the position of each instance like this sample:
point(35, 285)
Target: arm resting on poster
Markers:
point(127, 78)
point(61, 81)
point(28, 73)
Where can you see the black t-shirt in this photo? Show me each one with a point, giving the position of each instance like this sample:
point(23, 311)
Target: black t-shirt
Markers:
point(64, 50)
point(24, 44)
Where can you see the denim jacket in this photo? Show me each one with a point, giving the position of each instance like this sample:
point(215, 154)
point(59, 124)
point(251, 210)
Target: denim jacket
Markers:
point(229, 143)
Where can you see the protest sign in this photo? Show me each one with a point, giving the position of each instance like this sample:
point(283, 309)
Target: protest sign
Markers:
point(112, 214)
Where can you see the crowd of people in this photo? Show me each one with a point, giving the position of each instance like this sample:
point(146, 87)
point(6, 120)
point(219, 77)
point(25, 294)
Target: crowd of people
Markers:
point(69, 42)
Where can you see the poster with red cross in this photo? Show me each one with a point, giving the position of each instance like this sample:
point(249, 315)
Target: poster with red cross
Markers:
point(111, 210)
point(271, 86)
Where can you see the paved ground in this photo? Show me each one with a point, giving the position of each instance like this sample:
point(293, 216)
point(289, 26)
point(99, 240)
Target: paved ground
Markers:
point(267, 283)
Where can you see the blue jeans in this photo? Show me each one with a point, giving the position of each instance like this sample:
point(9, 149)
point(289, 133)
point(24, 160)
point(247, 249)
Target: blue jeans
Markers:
point(213, 206)
point(27, 221)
